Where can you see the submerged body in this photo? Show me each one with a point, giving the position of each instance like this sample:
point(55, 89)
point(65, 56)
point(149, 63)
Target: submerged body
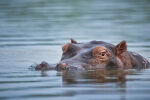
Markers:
point(96, 55)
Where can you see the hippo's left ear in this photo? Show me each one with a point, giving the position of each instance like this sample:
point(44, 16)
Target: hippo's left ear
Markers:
point(120, 48)
point(73, 41)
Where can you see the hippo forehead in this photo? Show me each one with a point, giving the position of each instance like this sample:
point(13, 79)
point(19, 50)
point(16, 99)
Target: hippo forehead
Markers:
point(71, 49)
point(92, 44)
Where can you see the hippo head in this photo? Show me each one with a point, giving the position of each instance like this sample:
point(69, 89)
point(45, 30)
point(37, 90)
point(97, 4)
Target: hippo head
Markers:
point(91, 55)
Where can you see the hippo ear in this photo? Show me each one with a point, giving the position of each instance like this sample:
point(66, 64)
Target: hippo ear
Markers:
point(65, 47)
point(120, 48)
point(73, 41)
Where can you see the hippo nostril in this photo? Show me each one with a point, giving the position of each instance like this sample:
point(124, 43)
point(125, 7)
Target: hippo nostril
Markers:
point(62, 64)
point(43, 63)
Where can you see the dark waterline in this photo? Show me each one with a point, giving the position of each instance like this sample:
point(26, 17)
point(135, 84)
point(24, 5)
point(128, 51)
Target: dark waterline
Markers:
point(32, 31)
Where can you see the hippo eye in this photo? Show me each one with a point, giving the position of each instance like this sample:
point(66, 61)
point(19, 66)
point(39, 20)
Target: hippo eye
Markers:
point(102, 54)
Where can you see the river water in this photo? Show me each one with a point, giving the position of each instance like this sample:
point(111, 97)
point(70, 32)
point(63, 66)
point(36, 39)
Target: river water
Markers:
point(32, 31)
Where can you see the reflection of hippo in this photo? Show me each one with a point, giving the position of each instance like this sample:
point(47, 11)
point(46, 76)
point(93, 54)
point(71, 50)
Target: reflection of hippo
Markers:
point(96, 76)
point(95, 55)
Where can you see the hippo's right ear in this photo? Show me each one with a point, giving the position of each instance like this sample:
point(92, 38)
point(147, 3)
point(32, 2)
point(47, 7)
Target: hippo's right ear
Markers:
point(120, 48)
point(65, 47)
point(73, 41)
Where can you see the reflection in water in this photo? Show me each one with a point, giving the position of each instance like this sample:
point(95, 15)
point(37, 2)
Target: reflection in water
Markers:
point(97, 76)
point(102, 82)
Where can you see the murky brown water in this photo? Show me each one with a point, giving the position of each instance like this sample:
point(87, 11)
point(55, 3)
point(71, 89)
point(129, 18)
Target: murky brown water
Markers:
point(32, 31)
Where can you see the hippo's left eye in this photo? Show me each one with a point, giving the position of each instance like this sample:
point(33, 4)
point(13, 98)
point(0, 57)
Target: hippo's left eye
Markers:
point(103, 54)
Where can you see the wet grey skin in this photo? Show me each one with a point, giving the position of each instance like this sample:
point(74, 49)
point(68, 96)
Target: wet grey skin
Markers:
point(95, 55)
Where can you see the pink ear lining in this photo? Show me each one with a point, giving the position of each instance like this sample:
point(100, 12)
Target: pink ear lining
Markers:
point(73, 41)
point(121, 47)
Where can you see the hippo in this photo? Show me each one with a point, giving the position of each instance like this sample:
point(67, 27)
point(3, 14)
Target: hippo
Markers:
point(96, 55)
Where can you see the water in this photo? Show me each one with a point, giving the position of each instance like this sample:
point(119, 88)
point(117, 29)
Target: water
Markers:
point(32, 31)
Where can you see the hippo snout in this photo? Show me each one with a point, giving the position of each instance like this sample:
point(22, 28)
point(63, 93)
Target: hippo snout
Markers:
point(61, 66)
point(43, 66)
point(69, 66)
